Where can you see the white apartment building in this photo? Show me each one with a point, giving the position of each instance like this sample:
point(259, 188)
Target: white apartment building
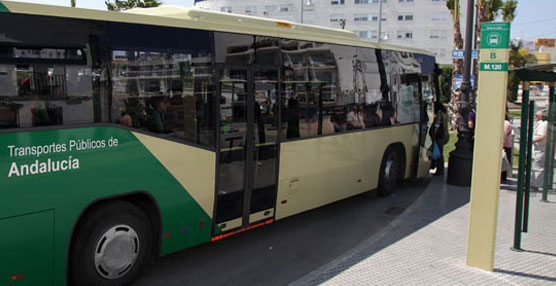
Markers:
point(424, 24)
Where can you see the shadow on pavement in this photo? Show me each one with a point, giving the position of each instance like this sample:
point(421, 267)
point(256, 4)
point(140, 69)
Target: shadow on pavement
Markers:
point(436, 201)
point(284, 251)
point(539, 252)
point(526, 275)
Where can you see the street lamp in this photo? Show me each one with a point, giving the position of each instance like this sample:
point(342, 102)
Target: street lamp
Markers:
point(461, 159)
point(301, 8)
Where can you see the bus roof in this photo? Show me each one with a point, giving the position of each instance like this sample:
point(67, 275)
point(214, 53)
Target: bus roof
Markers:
point(193, 18)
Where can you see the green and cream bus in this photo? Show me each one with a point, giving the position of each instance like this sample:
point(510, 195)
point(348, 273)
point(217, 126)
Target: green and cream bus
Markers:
point(128, 136)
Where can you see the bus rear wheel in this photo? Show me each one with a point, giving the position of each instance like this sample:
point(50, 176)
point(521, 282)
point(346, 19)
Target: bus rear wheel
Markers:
point(390, 172)
point(110, 246)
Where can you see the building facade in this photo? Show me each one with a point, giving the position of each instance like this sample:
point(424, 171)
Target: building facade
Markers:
point(423, 24)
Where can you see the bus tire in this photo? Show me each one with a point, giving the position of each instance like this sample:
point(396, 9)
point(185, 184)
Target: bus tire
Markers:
point(389, 172)
point(111, 245)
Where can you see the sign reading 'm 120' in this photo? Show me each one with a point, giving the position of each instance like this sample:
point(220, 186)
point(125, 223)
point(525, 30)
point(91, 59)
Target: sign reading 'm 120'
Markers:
point(495, 42)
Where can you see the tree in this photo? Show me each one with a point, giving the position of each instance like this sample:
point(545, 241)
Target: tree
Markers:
point(488, 12)
point(456, 96)
point(120, 5)
point(508, 10)
point(445, 84)
point(519, 57)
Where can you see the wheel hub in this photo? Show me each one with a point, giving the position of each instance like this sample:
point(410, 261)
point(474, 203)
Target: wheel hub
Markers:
point(390, 171)
point(116, 251)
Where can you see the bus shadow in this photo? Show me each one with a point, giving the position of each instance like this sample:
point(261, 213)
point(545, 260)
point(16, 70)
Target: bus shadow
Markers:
point(435, 202)
point(292, 249)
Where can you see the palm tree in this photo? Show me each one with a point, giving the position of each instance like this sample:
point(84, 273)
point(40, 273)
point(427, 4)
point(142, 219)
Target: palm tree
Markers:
point(72, 3)
point(120, 5)
point(455, 99)
point(508, 10)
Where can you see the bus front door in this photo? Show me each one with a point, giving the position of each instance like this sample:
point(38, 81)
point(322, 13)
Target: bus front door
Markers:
point(248, 148)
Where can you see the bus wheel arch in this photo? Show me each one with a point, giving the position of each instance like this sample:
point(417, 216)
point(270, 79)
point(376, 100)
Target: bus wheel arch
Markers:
point(392, 168)
point(142, 201)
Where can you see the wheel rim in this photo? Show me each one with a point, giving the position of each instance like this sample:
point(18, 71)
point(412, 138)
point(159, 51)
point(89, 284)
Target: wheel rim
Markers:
point(390, 171)
point(116, 251)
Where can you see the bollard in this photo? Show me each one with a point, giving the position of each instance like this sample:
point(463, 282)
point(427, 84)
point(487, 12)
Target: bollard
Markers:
point(522, 152)
point(528, 165)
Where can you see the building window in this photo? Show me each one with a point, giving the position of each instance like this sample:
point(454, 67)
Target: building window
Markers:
point(405, 17)
point(270, 8)
point(251, 10)
point(407, 1)
point(404, 35)
point(368, 1)
point(361, 17)
point(226, 9)
point(439, 17)
point(337, 2)
point(438, 52)
point(367, 34)
point(438, 0)
point(336, 17)
point(438, 34)
point(286, 8)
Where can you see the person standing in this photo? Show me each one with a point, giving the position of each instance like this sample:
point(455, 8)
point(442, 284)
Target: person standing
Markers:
point(539, 144)
point(439, 134)
point(508, 144)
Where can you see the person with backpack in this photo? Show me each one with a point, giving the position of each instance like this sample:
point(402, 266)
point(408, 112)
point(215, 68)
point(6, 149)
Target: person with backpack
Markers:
point(439, 135)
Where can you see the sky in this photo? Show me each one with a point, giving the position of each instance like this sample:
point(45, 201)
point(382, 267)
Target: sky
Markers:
point(534, 18)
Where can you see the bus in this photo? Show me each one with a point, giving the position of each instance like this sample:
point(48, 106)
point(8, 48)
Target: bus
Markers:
point(125, 136)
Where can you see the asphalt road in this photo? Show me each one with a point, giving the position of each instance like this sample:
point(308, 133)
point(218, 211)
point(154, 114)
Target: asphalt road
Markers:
point(280, 253)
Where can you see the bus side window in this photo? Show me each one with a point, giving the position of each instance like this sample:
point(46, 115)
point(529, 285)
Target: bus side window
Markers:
point(162, 92)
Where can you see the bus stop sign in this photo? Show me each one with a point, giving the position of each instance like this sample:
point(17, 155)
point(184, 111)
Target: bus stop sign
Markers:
point(495, 42)
point(495, 35)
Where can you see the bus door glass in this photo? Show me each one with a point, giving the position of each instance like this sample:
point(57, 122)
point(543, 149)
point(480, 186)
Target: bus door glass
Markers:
point(232, 97)
point(248, 147)
point(265, 144)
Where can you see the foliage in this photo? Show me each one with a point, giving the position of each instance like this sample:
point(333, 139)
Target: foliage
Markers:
point(508, 10)
point(451, 145)
point(120, 5)
point(445, 82)
point(519, 57)
point(491, 9)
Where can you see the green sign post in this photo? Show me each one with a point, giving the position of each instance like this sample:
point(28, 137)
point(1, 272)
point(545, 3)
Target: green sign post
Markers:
point(495, 42)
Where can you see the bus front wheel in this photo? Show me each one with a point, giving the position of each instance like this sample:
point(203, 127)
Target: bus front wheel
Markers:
point(390, 172)
point(111, 245)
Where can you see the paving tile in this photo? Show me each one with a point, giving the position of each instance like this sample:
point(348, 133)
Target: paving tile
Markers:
point(427, 245)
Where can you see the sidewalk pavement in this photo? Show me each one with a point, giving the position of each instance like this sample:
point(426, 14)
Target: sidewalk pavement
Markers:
point(427, 244)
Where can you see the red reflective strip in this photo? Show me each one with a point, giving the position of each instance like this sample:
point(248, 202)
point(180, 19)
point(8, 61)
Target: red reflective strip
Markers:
point(16, 277)
point(241, 230)
point(166, 235)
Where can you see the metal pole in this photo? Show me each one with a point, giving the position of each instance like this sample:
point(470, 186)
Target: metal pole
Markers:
point(472, 99)
point(553, 143)
point(379, 21)
point(461, 159)
point(528, 165)
point(522, 152)
point(548, 151)
point(301, 11)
